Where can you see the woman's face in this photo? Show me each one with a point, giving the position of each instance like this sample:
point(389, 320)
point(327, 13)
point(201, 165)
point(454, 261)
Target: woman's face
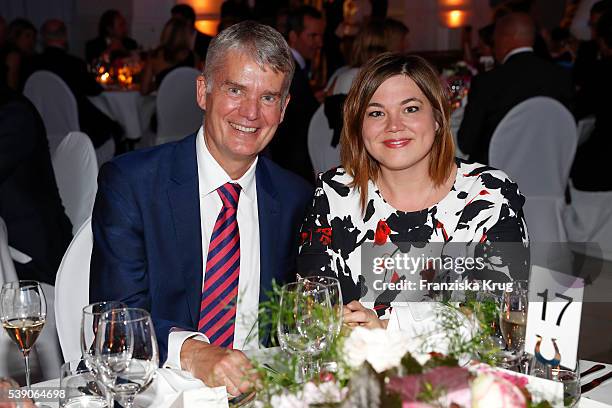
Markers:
point(399, 126)
point(26, 42)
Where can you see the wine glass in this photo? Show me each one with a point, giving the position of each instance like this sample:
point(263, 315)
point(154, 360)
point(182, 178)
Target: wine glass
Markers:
point(306, 324)
point(89, 327)
point(335, 297)
point(513, 320)
point(126, 352)
point(23, 310)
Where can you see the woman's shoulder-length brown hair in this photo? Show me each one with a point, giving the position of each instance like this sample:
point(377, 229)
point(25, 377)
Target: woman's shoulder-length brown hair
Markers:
point(355, 159)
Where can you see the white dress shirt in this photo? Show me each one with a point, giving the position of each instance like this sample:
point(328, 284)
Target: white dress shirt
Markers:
point(516, 51)
point(210, 177)
point(298, 58)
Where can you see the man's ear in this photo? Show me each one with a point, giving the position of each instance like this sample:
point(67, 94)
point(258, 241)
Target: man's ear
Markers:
point(284, 107)
point(201, 91)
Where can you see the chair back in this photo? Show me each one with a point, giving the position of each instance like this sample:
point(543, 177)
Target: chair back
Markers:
point(535, 144)
point(76, 172)
point(55, 103)
point(322, 154)
point(178, 113)
point(72, 291)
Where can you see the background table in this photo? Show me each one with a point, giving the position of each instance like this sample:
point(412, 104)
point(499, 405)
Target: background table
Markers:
point(131, 109)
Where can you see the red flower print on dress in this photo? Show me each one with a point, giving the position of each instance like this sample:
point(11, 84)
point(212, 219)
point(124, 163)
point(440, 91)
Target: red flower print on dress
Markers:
point(382, 232)
point(326, 235)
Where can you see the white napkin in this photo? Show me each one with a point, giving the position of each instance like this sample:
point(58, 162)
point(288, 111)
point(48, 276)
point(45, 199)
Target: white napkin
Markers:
point(177, 389)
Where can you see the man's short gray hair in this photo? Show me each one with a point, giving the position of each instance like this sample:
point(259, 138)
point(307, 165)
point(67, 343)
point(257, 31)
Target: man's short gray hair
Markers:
point(262, 43)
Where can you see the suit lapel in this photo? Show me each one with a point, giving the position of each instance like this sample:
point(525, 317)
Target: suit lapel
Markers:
point(268, 212)
point(183, 196)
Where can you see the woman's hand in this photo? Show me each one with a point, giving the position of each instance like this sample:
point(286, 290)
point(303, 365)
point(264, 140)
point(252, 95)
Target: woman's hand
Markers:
point(355, 314)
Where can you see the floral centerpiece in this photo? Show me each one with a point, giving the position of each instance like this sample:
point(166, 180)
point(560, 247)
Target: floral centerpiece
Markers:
point(384, 368)
point(458, 77)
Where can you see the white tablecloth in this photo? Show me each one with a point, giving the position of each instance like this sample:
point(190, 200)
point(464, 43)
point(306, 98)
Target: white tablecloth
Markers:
point(131, 109)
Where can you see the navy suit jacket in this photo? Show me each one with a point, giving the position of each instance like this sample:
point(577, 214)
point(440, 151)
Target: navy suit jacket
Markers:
point(147, 248)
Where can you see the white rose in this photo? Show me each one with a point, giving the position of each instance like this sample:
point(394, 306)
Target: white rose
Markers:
point(324, 393)
point(492, 391)
point(381, 348)
point(287, 400)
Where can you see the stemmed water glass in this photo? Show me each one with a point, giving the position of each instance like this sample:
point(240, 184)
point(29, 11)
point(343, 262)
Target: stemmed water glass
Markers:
point(513, 320)
point(335, 297)
point(126, 352)
point(23, 310)
point(89, 327)
point(306, 324)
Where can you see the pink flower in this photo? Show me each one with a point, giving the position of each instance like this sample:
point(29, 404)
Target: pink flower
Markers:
point(494, 391)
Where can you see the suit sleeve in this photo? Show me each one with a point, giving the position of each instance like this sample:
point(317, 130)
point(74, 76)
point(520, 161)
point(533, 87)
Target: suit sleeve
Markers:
point(469, 133)
point(118, 260)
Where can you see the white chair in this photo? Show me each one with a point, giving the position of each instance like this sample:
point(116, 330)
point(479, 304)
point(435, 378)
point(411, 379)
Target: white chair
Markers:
point(322, 154)
point(55, 103)
point(76, 172)
point(589, 223)
point(72, 291)
point(45, 359)
point(178, 113)
point(535, 144)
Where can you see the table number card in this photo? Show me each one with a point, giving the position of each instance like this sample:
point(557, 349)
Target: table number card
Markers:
point(555, 306)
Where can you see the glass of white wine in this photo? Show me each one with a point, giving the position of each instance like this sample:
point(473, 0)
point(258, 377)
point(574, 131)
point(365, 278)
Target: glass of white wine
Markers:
point(513, 321)
point(23, 310)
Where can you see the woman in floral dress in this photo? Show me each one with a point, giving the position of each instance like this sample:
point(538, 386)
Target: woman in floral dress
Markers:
point(400, 188)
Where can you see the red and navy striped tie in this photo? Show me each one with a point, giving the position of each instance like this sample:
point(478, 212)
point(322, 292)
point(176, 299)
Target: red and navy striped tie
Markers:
point(218, 307)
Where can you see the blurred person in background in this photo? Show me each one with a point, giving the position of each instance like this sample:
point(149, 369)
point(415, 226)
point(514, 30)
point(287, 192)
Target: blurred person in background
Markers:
point(588, 51)
point(73, 71)
point(375, 38)
point(590, 171)
point(562, 47)
point(30, 204)
point(174, 51)
point(198, 41)
point(18, 53)
point(289, 149)
point(112, 41)
point(520, 75)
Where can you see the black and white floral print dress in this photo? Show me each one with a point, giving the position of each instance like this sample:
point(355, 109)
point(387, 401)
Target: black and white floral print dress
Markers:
point(484, 207)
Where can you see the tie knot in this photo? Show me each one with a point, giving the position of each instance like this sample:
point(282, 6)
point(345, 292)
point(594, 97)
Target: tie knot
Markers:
point(229, 193)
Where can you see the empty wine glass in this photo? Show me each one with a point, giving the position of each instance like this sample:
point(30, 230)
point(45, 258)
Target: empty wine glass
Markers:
point(513, 320)
point(89, 327)
point(126, 352)
point(305, 326)
point(335, 297)
point(23, 310)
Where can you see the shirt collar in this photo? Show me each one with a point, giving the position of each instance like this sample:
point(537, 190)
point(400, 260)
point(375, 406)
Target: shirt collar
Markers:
point(517, 51)
point(211, 175)
point(298, 58)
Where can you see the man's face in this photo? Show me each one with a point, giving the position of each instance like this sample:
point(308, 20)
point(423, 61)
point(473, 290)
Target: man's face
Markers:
point(243, 110)
point(310, 40)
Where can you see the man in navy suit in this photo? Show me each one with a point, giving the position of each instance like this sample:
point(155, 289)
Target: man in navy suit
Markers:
point(155, 234)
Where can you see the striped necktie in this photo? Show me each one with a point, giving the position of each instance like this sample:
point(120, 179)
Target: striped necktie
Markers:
point(218, 306)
